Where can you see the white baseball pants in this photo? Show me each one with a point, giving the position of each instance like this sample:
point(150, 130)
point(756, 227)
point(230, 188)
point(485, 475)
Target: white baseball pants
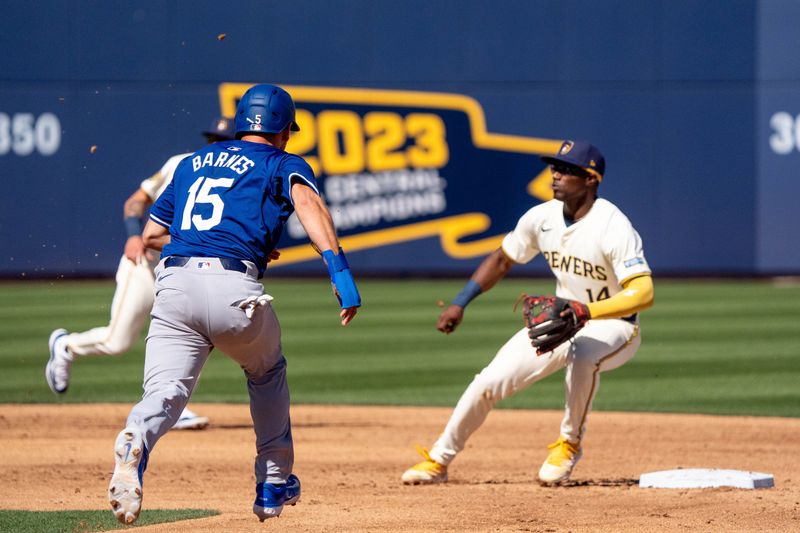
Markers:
point(600, 346)
point(130, 308)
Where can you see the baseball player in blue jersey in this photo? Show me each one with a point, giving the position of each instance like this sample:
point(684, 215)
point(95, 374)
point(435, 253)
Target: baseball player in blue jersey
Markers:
point(218, 223)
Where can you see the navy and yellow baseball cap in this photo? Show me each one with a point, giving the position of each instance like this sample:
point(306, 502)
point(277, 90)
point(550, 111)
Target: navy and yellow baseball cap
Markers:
point(221, 127)
point(580, 154)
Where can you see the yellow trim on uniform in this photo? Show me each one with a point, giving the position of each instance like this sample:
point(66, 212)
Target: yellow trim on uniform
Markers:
point(632, 277)
point(636, 295)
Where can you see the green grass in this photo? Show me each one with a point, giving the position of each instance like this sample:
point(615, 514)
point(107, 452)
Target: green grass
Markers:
point(704, 350)
point(86, 521)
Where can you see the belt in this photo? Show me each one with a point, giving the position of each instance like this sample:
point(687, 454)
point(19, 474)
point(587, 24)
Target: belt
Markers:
point(226, 262)
point(631, 319)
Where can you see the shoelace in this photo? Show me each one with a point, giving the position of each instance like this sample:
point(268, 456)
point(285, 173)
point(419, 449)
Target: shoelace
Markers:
point(62, 368)
point(566, 450)
point(424, 453)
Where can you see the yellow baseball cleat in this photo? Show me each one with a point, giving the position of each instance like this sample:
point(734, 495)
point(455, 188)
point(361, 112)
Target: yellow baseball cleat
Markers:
point(426, 472)
point(564, 455)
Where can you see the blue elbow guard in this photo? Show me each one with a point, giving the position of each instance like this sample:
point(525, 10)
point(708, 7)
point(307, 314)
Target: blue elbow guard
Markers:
point(342, 279)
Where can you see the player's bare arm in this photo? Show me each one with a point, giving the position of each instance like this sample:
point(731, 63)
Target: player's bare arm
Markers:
point(492, 269)
point(316, 220)
point(133, 212)
point(136, 204)
point(155, 236)
point(314, 216)
point(489, 272)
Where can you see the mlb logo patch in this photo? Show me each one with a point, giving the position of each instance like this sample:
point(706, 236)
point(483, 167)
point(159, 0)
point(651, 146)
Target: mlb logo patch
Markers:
point(634, 261)
point(202, 265)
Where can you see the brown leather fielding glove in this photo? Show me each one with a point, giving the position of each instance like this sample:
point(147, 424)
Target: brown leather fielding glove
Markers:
point(551, 320)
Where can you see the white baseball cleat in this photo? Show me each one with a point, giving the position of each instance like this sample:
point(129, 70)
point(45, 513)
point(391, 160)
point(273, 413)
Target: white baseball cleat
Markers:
point(191, 420)
point(563, 457)
point(125, 489)
point(57, 371)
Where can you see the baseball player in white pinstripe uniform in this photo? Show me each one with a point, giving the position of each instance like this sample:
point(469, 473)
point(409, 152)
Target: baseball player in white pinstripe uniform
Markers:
point(597, 258)
point(133, 297)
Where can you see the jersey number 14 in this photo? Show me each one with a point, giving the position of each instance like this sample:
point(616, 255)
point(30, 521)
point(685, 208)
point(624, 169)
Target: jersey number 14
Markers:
point(203, 195)
point(602, 295)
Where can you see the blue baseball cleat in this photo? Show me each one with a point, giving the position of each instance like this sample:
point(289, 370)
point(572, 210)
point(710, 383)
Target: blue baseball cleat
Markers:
point(271, 497)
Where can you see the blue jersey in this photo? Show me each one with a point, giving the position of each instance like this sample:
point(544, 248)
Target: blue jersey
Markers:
point(230, 199)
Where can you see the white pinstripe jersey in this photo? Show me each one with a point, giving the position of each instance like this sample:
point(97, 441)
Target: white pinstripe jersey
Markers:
point(590, 258)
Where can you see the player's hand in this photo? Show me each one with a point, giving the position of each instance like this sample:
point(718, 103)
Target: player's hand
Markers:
point(450, 319)
point(274, 255)
point(134, 249)
point(348, 314)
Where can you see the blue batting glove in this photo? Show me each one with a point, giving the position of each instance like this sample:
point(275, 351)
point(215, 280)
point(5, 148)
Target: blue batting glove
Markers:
point(344, 286)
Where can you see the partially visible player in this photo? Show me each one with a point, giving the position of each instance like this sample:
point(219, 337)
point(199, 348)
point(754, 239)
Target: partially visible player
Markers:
point(133, 298)
point(596, 256)
point(218, 223)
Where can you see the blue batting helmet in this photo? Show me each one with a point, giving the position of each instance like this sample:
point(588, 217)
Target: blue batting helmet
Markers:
point(265, 108)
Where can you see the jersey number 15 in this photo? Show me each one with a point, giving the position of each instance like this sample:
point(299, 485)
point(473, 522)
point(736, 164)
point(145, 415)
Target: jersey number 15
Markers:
point(203, 195)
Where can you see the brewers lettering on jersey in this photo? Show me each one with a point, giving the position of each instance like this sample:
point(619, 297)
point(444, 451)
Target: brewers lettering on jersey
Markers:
point(218, 223)
point(597, 259)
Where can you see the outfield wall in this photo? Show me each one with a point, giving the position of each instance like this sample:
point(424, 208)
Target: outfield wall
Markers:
point(425, 121)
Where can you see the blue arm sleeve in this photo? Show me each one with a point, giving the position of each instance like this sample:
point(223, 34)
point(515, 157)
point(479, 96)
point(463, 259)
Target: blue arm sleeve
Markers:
point(342, 279)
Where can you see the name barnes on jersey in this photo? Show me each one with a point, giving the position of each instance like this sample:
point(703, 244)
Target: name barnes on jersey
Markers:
point(238, 163)
point(575, 265)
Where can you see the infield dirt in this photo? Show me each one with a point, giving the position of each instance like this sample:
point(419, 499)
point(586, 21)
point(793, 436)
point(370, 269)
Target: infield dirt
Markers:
point(349, 459)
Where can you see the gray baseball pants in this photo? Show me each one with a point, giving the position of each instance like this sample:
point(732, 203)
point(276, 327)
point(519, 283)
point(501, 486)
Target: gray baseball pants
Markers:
point(196, 310)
